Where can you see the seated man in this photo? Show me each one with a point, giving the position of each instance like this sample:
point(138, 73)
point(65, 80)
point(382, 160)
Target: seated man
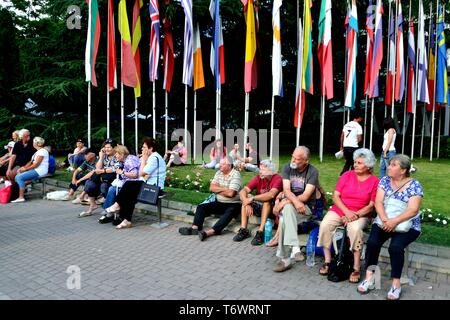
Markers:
point(81, 174)
point(226, 184)
point(22, 152)
point(178, 155)
point(300, 181)
point(251, 161)
point(267, 184)
point(236, 156)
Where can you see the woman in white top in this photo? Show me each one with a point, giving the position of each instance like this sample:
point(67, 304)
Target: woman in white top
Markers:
point(388, 145)
point(36, 168)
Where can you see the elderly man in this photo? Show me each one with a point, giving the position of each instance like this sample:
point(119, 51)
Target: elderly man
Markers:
point(226, 185)
point(267, 185)
point(21, 154)
point(300, 180)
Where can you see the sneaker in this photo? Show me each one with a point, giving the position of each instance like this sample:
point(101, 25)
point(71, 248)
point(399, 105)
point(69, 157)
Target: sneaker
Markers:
point(365, 286)
point(76, 201)
point(298, 256)
point(281, 266)
point(18, 200)
point(85, 214)
point(394, 293)
point(188, 231)
point(106, 219)
point(258, 239)
point(242, 234)
point(117, 220)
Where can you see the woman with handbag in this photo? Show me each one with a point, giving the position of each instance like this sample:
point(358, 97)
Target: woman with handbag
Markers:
point(397, 205)
point(152, 171)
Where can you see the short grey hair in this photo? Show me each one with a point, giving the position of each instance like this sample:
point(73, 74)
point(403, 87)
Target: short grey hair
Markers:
point(39, 141)
point(22, 132)
point(268, 164)
point(403, 161)
point(367, 155)
point(305, 150)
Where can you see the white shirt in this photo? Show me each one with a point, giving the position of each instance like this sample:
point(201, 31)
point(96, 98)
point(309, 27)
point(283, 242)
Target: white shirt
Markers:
point(42, 170)
point(351, 131)
point(385, 141)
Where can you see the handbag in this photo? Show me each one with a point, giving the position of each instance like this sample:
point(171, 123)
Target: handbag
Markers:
point(341, 266)
point(149, 193)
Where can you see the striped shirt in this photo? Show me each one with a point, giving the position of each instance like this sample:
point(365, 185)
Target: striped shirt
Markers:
point(231, 181)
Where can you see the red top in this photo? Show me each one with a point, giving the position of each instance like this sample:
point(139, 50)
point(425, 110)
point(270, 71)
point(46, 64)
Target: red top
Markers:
point(264, 185)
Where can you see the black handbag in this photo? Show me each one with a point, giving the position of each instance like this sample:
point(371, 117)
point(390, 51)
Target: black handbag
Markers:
point(149, 193)
point(341, 266)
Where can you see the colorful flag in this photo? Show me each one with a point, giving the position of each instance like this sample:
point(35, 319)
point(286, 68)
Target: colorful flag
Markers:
point(377, 57)
point(299, 92)
point(188, 59)
point(325, 51)
point(441, 71)
point(217, 58)
point(277, 71)
point(92, 41)
point(153, 59)
point(400, 57)
point(169, 56)
point(199, 80)
point(137, 33)
point(250, 72)
point(391, 61)
point(422, 84)
point(112, 58)
point(128, 75)
point(351, 51)
point(369, 46)
point(307, 82)
point(410, 96)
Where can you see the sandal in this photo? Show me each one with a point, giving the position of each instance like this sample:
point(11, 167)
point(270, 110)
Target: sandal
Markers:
point(325, 269)
point(272, 243)
point(354, 276)
point(124, 224)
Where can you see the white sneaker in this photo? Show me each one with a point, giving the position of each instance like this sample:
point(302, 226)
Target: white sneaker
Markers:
point(76, 201)
point(85, 214)
point(18, 200)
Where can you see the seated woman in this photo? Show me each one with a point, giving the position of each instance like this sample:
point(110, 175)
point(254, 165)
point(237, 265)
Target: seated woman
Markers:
point(218, 152)
point(76, 158)
point(178, 155)
point(129, 171)
point(36, 168)
point(397, 193)
point(4, 160)
point(353, 199)
point(152, 171)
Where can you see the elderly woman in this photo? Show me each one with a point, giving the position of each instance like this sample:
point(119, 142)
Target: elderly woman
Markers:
point(129, 171)
point(36, 168)
point(353, 199)
point(152, 171)
point(397, 204)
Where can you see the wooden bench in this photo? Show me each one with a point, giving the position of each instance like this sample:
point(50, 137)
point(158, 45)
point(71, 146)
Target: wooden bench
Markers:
point(42, 180)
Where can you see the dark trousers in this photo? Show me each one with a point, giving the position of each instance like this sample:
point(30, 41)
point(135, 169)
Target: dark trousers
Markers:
point(228, 211)
point(399, 241)
point(348, 155)
point(127, 198)
point(74, 187)
point(99, 184)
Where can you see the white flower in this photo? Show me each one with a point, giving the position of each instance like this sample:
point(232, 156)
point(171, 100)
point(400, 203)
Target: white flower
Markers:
point(188, 177)
point(444, 222)
point(329, 193)
point(198, 174)
point(438, 220)
point(196, 183)
point(429, 210)
point(430, 216)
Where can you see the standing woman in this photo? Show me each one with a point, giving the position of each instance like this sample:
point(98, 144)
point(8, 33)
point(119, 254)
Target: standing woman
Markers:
point(388, 145)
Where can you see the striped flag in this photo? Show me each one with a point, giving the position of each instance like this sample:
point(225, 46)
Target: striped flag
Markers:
point(112, 58)
point(422, 84)
point(410, 96)
point(277, 71)
point(307, 82)
point(400, 57)
point(188, 59)
point(92, 41)
point(250, 72)
point(377, 57)
point(299, 92)
point(128, 75)
point(169, 56)
point(441, 71)
point(369, 46)
point(199, 80)
point(325, 51)
point(137, 33)
point(351, 51)
point(431, 68)
point(153, 58)
point(391, 61)
point(217, 60)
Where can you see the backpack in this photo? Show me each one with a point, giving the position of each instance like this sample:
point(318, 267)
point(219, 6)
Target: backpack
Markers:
point(341, 265)
point(51, 165)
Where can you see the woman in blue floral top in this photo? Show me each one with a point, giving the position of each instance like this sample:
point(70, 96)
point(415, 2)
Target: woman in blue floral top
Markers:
point(405, 194)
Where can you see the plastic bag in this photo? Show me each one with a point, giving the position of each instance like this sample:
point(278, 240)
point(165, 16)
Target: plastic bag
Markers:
point(5, 194)
point(58, 195)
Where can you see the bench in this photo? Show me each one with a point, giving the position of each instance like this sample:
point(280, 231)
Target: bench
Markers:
point(160, 224)
point(42, 180)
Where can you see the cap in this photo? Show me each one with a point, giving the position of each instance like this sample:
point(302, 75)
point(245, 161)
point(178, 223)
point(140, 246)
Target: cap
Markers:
point(80, 140)
point(10, 145)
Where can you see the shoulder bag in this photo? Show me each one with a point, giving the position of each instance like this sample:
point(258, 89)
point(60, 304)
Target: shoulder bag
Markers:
point(149, 193)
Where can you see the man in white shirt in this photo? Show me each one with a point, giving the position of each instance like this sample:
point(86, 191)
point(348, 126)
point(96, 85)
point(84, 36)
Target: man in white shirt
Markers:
point(351, 137)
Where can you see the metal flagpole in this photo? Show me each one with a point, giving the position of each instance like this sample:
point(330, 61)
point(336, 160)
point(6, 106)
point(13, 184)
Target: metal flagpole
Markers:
point(414, 100)
point(322, 123)
point(247, 103)
point(89, 114)
point(434, 100)
point(154, 110)
point(300, 98)
point(166, 121)
point(107, 112)
point(136, 125)
point(186, 142)
point(365, 123)
point(439, 133)
point(122, 101)
point(388, 52)
point(395, 50)
point(195, 127)
point(271, 126)
point(371, 123)
point(406, 97)
point(217, 114)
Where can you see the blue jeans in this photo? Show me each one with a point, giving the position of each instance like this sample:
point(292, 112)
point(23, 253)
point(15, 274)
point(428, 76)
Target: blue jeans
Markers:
point(384, 162)
point(110, 197)
point(21, 178)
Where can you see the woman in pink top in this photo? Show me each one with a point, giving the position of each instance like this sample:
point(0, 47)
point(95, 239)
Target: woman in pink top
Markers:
point(354, 199)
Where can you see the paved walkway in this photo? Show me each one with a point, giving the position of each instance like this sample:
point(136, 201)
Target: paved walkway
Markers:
point(40, 240)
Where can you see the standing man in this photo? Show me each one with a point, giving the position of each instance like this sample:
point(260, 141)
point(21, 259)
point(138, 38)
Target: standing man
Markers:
point(351, 137)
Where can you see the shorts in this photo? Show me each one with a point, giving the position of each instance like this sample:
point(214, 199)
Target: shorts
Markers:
point(257, 208)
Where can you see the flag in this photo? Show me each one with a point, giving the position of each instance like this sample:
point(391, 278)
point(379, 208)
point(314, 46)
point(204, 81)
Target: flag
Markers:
point(391, 61)
point(325, 51)
point(128, 75)
point(369, 46)
point(92, 41)
point(431, 68)
point(199, 80)
point(250, 72)
point(307, 82)
point(137, 33)
point(299, 92)
point(112, 58)
point(422, 84)
point(217, 60)
point(188, 59)
point(277, 72)
point(441, 71)
point(169, 56)
point(410, 96)
point(400, 67)
point(351, 51)
point(377, 57)
point(153, 58)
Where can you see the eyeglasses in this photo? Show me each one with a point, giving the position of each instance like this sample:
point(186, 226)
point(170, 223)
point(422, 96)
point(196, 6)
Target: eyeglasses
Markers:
point(108, 141)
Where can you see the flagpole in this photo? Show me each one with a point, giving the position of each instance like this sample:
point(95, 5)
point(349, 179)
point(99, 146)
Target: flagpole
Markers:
point(439, 133)
point(406, 98)
point(395, 63)
point(122, 108)
point(414, 100)
point(388, 53)
point(195, 129)
point(300, 98)
point(154, 110)
point(271, 126)
point(217, 113)
point(166, 121)
point(434, 85)
point(107, 112)
point(322, 123)
point(371, 123)
point(185, 114)
point(247, 103)
point(89, 113)
point(365, 122)
point(136, 125)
